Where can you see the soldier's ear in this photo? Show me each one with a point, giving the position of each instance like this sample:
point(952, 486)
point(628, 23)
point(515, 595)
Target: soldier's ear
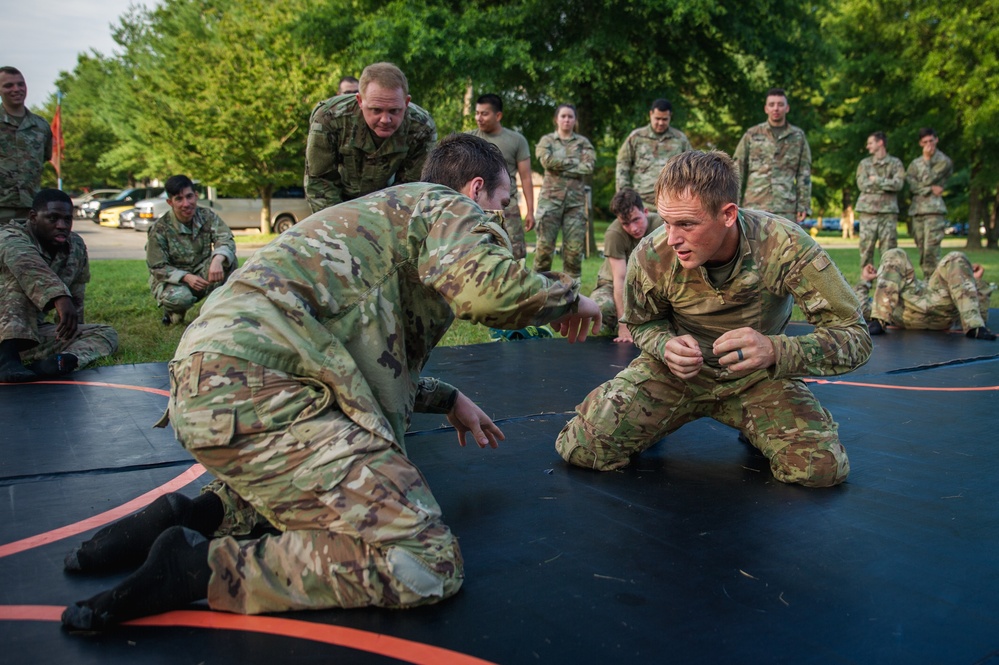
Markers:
point(473, 188)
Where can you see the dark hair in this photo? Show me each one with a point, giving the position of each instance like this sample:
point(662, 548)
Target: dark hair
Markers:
point(47, 196)
point(492, 100)
point(7, 69)
point(626, 200)
point(662, 105)
point(710, 176)
point(565, 105)
point(880, 136)
point(176, 184)
point(347, 79)
point(926, 131)
point(777, 92)
point(460, 157)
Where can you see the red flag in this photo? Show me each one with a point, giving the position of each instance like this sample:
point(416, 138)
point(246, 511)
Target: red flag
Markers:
point(57, 143)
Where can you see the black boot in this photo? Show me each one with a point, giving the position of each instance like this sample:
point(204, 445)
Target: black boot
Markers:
point(175, 575)
point(55, 365)
point(876, 327)
point(125, 544)
point(12, 370)
point(981, 332)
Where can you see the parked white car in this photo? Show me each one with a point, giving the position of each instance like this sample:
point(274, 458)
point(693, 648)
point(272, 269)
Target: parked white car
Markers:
point(288, 207)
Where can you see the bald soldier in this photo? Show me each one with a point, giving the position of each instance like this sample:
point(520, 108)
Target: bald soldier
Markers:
point(330, 327)
point(707, 299)
point(362, 143)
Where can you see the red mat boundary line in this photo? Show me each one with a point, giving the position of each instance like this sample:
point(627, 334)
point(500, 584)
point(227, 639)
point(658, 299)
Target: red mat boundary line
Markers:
point(187, 477)
point(351, 638)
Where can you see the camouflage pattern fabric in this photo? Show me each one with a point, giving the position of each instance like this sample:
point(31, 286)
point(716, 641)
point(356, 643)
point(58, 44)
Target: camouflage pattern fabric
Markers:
point(174, 249)
point(950, 295)
point(778, 265)
point(24, 149)
point(922, 176)
point(30, 279)
point(297, 383)
point(562, 201)
point(775, 165)
point(343, 161)
point(603, 295)
point(928, 232)
point(618, 244)
point(879, 182)
point(642, 156)
point(876, 230)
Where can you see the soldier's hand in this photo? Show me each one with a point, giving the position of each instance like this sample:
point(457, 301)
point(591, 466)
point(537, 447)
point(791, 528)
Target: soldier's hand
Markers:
point(196, 283)
point(937, 190)
point(529, 221)
point(868, 273)
point(623, 334)
point(684, 357)
point(576, 325)
point(977, 269)
point(800, 217)
point(744, 350)
point(215, 271)
point(465, 416)
point(69, 318)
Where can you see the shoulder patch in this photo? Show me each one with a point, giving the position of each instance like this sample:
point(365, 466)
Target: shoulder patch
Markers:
point(821, 262)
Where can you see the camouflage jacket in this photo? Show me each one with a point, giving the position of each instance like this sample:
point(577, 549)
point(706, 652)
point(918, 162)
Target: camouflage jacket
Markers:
point(342, 160)
point(775, 166)
point(356, 296)
point(881, 194)
point(778, 266)
point(566, 163)
point(24, 149)
point(26, 267)
point(643, 155)
point(921, 176)
point(174, 249)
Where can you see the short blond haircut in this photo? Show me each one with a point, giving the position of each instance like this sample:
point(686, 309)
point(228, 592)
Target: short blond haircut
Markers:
point(710, 176)
point(386, 75)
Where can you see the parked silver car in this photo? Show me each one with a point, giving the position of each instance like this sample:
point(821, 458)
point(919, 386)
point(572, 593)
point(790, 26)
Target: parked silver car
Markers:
point(288, 207)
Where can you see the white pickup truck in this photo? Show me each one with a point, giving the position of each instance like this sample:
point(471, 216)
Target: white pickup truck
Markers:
point(288, 207)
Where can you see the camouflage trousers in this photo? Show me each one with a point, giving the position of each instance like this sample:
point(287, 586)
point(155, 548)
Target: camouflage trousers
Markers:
point(178, 298)
point(358, 523)
point(928, 232)
point(552, 216)
point(951, 293)
point(603, 295)
point(876, 229)
point(19, 321)
point(645, 402)
point(514, 227)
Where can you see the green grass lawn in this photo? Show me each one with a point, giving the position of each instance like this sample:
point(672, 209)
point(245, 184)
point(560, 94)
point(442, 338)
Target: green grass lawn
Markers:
point(118, 294)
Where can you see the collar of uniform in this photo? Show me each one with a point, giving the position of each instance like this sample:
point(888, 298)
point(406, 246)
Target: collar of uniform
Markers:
point(191, 229)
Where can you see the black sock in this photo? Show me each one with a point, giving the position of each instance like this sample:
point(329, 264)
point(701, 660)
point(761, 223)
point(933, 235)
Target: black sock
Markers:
point(55, 365)
point(12, 370)
point(126, 543)
point(175, 575)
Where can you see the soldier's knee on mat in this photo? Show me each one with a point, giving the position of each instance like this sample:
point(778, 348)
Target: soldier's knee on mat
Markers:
point(811, 466)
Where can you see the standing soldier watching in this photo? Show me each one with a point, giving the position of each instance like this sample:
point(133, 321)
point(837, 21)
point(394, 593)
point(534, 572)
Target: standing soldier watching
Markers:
point(880, 178)
point(360, 144)
point(775, 163)
point(25, 146)
point(927, 176)
point(517, 154)
point(645, 152)
point(568, 158)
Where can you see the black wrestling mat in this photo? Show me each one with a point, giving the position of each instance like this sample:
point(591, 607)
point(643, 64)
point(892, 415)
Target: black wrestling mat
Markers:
point(694, 554)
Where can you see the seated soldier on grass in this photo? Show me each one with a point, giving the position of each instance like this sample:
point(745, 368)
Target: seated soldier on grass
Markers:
point(44, 267)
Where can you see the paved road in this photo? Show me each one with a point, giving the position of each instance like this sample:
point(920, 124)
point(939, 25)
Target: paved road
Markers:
point(107, 243)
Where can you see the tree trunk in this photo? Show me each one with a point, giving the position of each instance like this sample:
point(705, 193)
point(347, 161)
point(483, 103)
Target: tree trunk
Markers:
point(265, 209)
point(976, 212)
point(993, 227)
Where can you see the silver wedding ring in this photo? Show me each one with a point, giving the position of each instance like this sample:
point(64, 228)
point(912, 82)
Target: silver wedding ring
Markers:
point(738, 352)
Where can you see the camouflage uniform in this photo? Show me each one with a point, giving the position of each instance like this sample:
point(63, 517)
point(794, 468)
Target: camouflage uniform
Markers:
point(641, 158)
point(950, 294)
point(174, 249)
point(25, 146)
point(618, 244)
point(562, 202)
point(778, 265)
point(877, 205)
point(297, 383)
point(344, 161)
point(928, 210)
point(514, 147)
point(30, 279)
point(775, 164)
